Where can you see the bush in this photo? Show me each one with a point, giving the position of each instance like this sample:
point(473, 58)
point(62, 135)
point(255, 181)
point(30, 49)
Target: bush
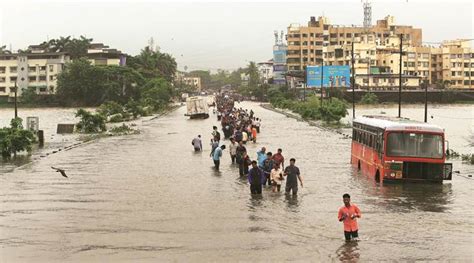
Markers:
point(110, 108)
point(369, 98)
point(90, 123)
point(15, 139)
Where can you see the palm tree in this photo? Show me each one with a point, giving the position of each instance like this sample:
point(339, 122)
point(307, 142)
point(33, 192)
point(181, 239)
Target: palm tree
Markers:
point(4, 50)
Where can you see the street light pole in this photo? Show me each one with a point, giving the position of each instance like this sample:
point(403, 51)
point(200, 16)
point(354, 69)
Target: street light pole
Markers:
point(400, 80)
point(353, 81)
point(16, 106)
point(426, 101)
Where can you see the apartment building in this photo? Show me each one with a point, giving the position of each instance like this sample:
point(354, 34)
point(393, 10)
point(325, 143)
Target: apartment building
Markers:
point(34, 70)
point(39, 69)
point(453, 62)
point(265, 71)
point(307, 44)
point(193, 82)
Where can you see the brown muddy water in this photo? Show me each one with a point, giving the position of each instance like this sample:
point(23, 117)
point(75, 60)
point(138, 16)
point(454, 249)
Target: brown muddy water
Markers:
point(150, 198)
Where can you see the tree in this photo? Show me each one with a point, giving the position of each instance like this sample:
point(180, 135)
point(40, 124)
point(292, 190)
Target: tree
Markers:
point(205, 76)
point(156, 93)
point(90, 123)
point(83, 84)
point(75, 47)
point(15, 139)
point(4, 50)
point(152, 64)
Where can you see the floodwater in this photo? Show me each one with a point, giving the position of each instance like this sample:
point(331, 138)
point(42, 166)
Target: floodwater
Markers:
point(150, 198)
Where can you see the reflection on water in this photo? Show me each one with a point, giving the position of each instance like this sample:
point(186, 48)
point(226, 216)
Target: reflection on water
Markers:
point(150, 197)
point(348, 252)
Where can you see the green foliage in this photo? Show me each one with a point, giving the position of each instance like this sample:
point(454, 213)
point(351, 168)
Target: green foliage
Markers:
point(75, 47)
point(82, 84)
point(331, 111)
point(110, 108)
point(15, 139)
point(156, 93)
point(135, 109)
point(90, 123)
point(123, 130)
point(153, 64)
point(369, 98)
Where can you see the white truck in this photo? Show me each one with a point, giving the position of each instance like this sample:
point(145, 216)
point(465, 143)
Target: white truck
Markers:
point(197, 108)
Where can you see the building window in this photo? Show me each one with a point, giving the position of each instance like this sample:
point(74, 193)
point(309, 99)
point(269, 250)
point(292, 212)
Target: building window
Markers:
point(42, 78)
point(2, 89)
point(12, 79)
point(51, 78)
point(32, 69)
point(32, 78)
point(13, 69)
point(51, 68)
point(2, 70)
point(2, 80)
point(12, 89)
point(42, 89)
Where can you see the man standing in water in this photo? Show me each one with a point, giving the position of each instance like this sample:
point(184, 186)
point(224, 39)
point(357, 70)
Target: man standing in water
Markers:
point(240, 157)
point(279, 159)
point(233, 149)
point(293, 175)
point(256, 179)
point(217, 156)
point(348, 214)
point(197, 144)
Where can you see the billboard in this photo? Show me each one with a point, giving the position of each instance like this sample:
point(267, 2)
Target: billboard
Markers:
point(333, 76)
point(279, 56)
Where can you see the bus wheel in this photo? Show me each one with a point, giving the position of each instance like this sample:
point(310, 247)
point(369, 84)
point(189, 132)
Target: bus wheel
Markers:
point(377, 176)
point(358, 165)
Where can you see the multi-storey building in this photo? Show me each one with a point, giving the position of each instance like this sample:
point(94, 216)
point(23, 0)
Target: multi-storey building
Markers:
point(265, 70)
point(453, 63)
point(307, 44)
point(36, 70)
point(39, 70)
point(193, 82)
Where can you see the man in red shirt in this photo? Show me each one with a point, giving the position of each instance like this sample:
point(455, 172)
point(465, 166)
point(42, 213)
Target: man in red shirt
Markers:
point(278, 159)
point(348, 214)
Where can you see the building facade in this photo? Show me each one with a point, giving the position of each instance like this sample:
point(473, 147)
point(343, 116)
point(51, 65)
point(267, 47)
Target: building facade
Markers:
point(265, 71)
point(193, 82)
point(377, 54)
point(307, 44)
point(39, 70)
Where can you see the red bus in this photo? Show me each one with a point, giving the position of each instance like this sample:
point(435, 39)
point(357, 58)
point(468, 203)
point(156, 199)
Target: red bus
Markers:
point(397, 149)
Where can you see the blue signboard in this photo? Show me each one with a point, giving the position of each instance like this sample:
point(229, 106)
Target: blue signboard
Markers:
point(279, 56)
point(333, 76)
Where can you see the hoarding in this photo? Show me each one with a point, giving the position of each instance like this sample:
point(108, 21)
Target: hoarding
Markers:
point(333, 76)
point(279, 56)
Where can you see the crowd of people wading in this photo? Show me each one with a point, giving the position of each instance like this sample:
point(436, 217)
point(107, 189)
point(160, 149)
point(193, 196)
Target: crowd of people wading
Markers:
point(241, 127)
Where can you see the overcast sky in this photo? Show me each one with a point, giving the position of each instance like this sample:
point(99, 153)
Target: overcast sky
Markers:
point(212, 35)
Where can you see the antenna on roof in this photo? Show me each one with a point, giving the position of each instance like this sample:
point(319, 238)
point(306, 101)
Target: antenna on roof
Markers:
point(367, 14)
point(275, 33)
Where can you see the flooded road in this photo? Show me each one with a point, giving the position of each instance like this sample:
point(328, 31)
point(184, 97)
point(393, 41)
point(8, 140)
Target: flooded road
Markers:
point(149, 198)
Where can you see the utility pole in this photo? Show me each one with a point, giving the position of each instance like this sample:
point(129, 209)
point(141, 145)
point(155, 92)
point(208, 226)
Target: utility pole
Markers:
point(16, 106)
point(400, 80)
point(353, 81)
point(305, 83)
point(322, 76)
point(426, 101)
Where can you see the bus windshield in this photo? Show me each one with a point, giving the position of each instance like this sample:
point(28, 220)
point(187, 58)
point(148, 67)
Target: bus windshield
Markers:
point(415, 145)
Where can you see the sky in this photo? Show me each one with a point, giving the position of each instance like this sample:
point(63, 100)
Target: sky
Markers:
point(212, 35)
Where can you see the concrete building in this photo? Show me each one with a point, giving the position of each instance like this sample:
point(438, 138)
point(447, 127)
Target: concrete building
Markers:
point(453, 62)
point(100, 54)
point(307, 44)
point(35, 70)
point(39, 70)
point(193, 82)
point(265, 71)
